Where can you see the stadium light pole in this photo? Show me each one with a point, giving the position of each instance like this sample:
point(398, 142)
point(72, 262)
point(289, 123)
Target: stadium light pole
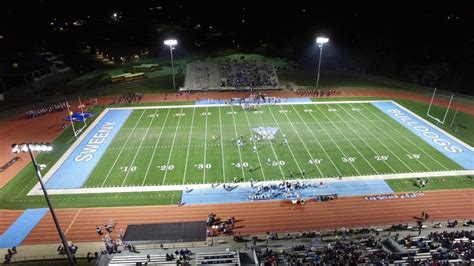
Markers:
point(171, 43)
point(320, 41)
point(46, 147)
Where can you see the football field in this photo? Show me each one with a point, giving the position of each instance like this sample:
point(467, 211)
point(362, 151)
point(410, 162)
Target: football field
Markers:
point(218, 144)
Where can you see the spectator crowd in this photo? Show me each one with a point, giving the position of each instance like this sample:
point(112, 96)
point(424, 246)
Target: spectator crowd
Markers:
point(52, 108)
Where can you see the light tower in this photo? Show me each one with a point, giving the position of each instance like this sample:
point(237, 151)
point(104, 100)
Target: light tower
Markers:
point(171, 43)
point(320, 41)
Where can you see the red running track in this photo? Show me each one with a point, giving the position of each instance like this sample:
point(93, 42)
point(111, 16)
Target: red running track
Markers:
point(259, 217)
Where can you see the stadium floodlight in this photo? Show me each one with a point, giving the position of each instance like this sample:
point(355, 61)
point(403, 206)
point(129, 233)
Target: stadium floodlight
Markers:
point(171, 43)
point(320, 41)
point(30, 148)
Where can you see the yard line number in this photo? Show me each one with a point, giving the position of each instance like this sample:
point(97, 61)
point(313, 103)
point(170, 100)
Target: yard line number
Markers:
point(348, 159)
point(413, 156)
point(166, 167)
point(201, 166)
point(315, 161)
point(132, 168)
point(381, 157)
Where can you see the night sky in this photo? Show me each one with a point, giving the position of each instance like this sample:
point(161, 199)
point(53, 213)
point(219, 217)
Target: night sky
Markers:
point(415, 32)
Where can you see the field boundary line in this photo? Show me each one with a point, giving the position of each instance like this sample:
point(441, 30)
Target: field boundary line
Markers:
point(247, 184)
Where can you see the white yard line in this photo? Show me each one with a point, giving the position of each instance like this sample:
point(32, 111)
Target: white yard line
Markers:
point(335, 143)
point(399, 133)
point(370, 146)
point(222, 145)
point(289, 147)
point(121, 150)
point(138, 150)
point(238, 147)
point(273, 148)
point(304, 145)
point(258, 156)
point(396, 142)
point(155, 147)
point(189, 146)
point(355, 148)
point(319, 143)
point(205, 149)
point(172, 147)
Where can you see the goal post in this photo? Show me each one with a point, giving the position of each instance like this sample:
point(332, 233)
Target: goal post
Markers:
point(437, 119)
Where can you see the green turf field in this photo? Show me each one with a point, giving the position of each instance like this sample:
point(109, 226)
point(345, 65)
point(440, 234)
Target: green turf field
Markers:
point(434, 183)
point(198, 145)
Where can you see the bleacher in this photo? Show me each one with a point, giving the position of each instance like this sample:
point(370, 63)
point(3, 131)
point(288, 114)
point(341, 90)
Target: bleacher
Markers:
point(230, 75)
point(122, 260)
point(221, 258)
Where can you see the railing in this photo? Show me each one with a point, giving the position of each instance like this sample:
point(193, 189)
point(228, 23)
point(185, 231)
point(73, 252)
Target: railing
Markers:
point(17, 258)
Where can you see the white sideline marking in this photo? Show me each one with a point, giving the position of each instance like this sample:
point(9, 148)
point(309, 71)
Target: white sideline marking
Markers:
point(245, 184)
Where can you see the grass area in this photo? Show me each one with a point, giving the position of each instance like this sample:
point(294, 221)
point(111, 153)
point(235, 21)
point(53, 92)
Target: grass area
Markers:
point(197, 145)
point(434, 183)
